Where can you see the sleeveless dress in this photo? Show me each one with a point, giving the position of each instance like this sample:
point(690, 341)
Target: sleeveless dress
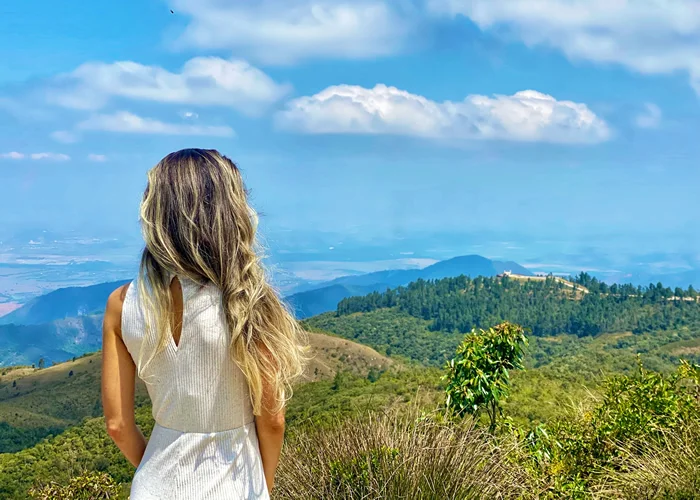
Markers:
point(204, 445)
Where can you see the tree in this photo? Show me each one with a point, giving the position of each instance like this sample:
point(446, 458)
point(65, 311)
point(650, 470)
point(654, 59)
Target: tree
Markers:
point(478, 377)
point(42, 363)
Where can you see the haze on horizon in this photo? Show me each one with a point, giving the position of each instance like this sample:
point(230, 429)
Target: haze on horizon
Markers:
point(373, 135)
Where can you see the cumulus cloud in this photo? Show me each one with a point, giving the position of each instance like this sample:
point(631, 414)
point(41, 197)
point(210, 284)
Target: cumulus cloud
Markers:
point(647, 36)
point(203, 81)
point(97, 158)
point(284, 31)
point(525, 116)
point(650, 117)
point(14, 155)
point(126, 122)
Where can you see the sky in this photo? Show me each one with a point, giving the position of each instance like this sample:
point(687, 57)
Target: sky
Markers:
point(366, 130)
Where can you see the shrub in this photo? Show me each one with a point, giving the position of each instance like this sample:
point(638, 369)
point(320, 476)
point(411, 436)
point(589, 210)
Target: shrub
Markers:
point(635, 412)
point(393, 456)
point(478, 377)
point(89, 486)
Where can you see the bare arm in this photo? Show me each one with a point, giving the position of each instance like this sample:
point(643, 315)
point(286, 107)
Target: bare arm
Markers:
point(118, 383)
point(270, 429)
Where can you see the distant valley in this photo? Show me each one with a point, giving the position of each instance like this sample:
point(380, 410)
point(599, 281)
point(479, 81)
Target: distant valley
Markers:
point(67, 322)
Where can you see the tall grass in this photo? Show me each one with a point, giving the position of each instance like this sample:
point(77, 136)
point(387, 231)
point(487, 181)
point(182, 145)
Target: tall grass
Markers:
point(669, 469)
point(398, 456)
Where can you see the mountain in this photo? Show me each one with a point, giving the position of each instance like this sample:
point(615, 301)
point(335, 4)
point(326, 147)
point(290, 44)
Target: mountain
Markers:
point(55, 341)
point(313, 302)
point(326, 297)
point(62, 303)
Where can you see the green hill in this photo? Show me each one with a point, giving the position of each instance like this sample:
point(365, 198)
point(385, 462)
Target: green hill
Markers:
point(547, 307)
point(37, 402)
point(326, 296)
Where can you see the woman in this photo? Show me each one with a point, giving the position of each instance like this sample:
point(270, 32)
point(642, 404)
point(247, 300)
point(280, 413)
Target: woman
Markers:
point(207, 334)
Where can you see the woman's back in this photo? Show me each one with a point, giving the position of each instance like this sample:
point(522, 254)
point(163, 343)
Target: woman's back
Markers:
point(194, 384)
point(204, 444)
point(218, 360)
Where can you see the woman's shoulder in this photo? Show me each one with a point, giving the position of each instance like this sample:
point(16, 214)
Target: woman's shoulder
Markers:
point(114, 307)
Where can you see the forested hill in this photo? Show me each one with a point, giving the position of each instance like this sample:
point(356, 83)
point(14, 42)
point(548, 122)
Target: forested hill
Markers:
point(546, 307)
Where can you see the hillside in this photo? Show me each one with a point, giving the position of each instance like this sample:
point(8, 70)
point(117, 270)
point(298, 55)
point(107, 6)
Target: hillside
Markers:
point(317, 301)
point(545, 307)
point(325, 297)
point(56, 341)
point(63, 303)
point(62, 395)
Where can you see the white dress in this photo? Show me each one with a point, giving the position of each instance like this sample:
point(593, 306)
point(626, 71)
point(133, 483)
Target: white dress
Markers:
point(204, 444)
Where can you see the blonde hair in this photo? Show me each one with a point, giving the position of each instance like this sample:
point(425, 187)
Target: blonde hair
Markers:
point(197, 223)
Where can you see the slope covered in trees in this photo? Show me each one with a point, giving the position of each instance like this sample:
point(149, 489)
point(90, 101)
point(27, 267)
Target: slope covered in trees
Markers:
point(545, 307)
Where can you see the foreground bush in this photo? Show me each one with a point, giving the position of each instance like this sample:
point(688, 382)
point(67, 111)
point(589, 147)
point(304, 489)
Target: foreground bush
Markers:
point(390, 456)
point(85, 487)
point(639, 431)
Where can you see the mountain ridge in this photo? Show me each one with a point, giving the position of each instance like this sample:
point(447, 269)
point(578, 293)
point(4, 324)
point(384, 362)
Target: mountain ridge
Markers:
point(326, 296)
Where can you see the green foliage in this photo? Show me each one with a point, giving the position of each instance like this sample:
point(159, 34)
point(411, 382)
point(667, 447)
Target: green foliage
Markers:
point(392, 333)
point(639, 408)
point(80, 449)
point(545, 307)
point(478, 377)
point(324, 403)
point(14, 439)
point(83, 487)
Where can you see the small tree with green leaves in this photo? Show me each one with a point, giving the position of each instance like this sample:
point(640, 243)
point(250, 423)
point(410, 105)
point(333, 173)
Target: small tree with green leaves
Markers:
point(478, 377)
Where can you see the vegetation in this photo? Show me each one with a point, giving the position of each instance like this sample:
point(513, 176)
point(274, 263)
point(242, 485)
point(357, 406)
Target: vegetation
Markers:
point(478, 378)
point(380, 456)
point(546, 307)
point(85, 487)
point(602, 402)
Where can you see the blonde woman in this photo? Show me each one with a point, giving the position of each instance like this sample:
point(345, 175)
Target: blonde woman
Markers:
point(207, 334)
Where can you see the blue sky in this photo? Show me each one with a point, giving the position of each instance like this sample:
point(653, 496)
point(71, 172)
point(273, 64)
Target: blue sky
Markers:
point(515, 129)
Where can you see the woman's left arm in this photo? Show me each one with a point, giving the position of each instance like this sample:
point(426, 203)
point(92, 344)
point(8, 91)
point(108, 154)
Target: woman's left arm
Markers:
point(118, 383)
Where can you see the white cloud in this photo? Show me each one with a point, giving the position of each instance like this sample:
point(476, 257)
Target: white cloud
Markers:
point(203, 81)
point(64, 136)
point(126, 122)
point(191, 115)
point(49, 156)
point(284, 31)
point(647, 36)
point(650, 117)
point(97, 158)
point(525, 116)
point(14, 155)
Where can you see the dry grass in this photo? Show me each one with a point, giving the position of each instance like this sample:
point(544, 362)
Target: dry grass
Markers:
point(669, 470)
point(399, 457)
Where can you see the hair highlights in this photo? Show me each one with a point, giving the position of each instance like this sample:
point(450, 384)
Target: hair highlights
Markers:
point(197, 223)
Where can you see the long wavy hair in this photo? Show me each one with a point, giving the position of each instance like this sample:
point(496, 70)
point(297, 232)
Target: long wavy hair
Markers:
point(197, 223)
